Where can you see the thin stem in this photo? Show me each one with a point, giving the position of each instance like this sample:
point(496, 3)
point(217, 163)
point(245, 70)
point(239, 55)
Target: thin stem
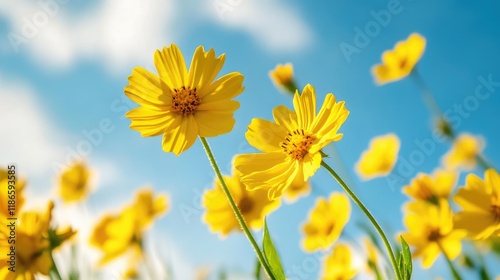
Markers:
point(369, 215)
point(426, 93)
point(237, 212)
point(454, 271)
point(54, 267)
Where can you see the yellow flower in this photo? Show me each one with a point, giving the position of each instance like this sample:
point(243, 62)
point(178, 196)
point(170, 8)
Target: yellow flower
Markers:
point(380, 158)
point(118, 234)
point(480, 201)
point(282, 77)
point(182, 104)
point(254, 206)
point(292, 144)
point(399, 62)
point(430, 228)
point(11, 187)
point(326, 222)
point(33, 245)
point(339, 264)
point(74, 183)
point(432, 188)
point(296, 191)
point(463, 152)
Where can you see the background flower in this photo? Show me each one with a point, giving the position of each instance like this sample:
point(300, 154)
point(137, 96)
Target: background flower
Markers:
point(380, 158)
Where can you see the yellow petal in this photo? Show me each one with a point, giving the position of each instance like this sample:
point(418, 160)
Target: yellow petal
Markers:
point(204, 68)
point(145, 89)
point(171, 66)
point(212, 124)
point(265, 135)
point(305, 106)
point(285, 117)
point(182, 137)
point(152, 122)
point(226, 87)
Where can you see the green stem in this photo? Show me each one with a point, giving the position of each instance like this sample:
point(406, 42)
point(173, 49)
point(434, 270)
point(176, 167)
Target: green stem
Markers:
point(237, 212)
point(369, 215)
point(454, 271)
point(54, 267)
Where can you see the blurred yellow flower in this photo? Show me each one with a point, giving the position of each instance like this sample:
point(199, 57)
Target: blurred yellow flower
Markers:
point(432, 188)
point(339, 264)
point(400, 61)
point(480, 201)
point(33, 245)
point(380, 158)
point(282, 77)
point(74, 182)
point(292, 144)
point(430, 231)
point(326, 222)
point(296, 191)
point(254, 206)
point(118, 234)
point(15, 191)
point(463, 152)
point(182, 104)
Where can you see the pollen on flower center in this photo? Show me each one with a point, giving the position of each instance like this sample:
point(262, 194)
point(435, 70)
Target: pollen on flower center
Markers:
point(297, 144)
point(185, 100)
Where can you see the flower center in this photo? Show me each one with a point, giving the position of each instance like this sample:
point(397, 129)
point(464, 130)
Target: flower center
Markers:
point(185, 100)
point(297, 144)
point(434, 235)
point(495, 210)
point(245, 205)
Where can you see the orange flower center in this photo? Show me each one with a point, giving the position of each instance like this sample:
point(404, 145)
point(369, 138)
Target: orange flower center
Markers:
point(434, 235)
point(245, 205)
point(185, 101)
point(297, 144)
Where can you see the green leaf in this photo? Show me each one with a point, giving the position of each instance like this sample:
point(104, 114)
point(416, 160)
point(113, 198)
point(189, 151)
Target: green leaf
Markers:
point(271, 255)
point(405, 259)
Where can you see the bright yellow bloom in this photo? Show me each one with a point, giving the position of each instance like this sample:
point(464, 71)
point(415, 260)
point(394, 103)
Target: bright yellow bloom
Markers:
point(463, 152)
point(33, 246)
point(16, 190)
point(431, 227)
point(339, 264)
point(182, 104)
point(326, 222)
point(292, 144)
point(380, 158)
point(296, 191)
point(282, 76)
point(480, 201)
point(432, 188)
point(118, 234)
point(254, 206)
point(400, 61)
point(74, 182)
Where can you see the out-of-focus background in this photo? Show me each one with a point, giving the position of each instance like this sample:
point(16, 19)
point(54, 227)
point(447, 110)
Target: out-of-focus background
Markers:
point(64, 64)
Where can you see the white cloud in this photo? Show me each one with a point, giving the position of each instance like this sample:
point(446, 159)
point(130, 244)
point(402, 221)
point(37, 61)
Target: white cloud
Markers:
point(274, 24)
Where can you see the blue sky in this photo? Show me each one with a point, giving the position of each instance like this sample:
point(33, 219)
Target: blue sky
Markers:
point(67, 78)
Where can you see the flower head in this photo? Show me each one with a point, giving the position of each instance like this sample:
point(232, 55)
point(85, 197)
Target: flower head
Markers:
point(463, 153)
point(400, 61)
point(282, 77)
point(480, 201)
point(74, 182)
point(339, 264)
point(326, 222)
point(254, 206)
point(182, 104)
point(292, 144)
point(430, 230)
point(433, 187)
point(380, 158)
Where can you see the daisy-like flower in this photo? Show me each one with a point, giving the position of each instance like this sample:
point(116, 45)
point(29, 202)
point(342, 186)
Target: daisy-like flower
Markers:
point(292, 144)
point(380, 158)
point(74, 182)
point(480, 201)
point(7, 179)
point(326, 221)
point(430, 231)
point(400, 61)
point(339, 264)
point(253, 205)
point(433, 187)
point(463, 153)
point(122, 233)
point(282, 77)
point(182, 104)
